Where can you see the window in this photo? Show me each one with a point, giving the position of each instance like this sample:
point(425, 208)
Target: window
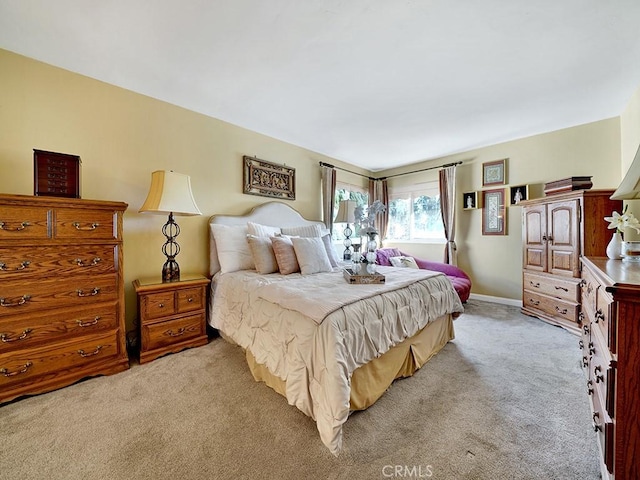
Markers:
point(346, 191)
point(414, 213)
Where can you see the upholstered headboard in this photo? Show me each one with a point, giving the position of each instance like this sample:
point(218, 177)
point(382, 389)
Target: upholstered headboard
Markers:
point(273, 214)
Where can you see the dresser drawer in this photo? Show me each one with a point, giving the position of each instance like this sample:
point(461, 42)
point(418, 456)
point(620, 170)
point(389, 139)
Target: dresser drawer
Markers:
point(190, 299)
point(589, 290)
point(605, 318)
point(28, 365)
point(24, 223)
point(567, 289)
point(85, 224)
point(24, 262)
point(552, 306)
point(26, 331)
point(34, 296)
point(161, 334)
point(604, 427)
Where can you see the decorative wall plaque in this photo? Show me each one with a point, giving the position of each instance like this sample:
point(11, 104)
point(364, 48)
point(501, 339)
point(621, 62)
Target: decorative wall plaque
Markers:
point(268, 179)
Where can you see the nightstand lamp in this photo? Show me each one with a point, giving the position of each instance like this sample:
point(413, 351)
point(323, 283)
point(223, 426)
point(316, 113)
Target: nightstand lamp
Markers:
point(346, 215)
point(170, 193)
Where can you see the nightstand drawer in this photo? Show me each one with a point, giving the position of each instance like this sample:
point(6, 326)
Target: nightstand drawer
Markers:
point(162, 334)
point(156, 305)
point(190, 299)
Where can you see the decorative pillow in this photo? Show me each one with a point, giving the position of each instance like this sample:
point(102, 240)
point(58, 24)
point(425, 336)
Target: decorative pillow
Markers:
point(311, 254)
point(262, 230)
point(402, 261)
point(331, 252)
point(314, 230)
point(233, 249)
point(262, 254)
point(285, 255)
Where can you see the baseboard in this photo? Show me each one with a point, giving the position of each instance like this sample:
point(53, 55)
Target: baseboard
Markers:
point(504, 301)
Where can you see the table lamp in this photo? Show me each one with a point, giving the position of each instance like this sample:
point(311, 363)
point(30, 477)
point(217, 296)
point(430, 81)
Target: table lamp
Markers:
point(170, 193)
point(346, 215)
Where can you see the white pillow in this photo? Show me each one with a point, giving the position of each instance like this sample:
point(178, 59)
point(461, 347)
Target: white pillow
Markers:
point(314, 230)
point(233, 249)
point(331, 252)
point(311, 254)
point(407, 262)
point(262, 230)
point(262, 254)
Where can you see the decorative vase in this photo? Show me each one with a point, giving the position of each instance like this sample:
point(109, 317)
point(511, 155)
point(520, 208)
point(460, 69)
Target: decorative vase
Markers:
point(614, 249)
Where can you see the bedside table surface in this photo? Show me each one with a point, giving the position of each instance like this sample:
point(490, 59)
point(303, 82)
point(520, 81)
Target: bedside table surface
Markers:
point(156, 283)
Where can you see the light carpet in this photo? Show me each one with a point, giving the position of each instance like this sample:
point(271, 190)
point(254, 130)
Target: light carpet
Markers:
point(505, 400)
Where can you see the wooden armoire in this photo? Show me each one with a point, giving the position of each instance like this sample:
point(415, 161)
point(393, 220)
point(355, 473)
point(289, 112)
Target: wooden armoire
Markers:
point(556, 231)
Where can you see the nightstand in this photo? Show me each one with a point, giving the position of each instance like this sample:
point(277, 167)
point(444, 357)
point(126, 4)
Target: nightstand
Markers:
point(172, 315)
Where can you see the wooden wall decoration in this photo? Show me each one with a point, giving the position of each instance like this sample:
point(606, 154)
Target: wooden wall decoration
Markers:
point(268, 179)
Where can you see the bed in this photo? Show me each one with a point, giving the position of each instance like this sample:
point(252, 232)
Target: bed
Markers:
point(328, 347)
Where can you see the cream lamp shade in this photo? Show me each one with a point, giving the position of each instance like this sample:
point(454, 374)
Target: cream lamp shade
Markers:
point(346, 214)
point(346, 211)
point(629, 189)
point(170, 193)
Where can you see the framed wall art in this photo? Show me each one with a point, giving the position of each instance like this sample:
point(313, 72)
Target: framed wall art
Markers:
point(493, 212)
point(494, 173)
point(470, 200)
point(518, 193)
point(268, 179)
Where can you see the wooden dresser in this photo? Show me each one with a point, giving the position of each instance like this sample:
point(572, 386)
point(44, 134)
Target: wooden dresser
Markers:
point(61, 292)
point(610, 346)
point(556, 231)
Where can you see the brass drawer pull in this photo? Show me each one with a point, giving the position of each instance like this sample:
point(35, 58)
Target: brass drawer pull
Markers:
point(94, 292)
point(5, 337)
point(592, 348)
point(190, 299)
point(85, 229)
point(83, 354)
point(24, 369)
point(24, 299)
point(171, 333)
point(589, 389)
point(597, 371)
point(582, 283)
point(562, 288)
point(599, 316)
point(595, 417)
point(534, 285)
point(23, 265)
point(534, 302)
point(95, 261)
point(22, 226)
point(585, 362)
point(581, 344)
point(561, 312)
point(88, 324)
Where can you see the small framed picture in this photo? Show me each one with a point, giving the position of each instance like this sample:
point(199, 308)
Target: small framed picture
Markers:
point(518, 193)
point(470, 200)
point(494, 173)
point(494, 220)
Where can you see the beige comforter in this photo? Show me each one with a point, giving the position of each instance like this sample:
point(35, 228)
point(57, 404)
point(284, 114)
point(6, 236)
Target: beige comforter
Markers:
point(313, 331)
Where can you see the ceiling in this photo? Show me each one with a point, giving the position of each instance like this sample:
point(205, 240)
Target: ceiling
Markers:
point(375, 83)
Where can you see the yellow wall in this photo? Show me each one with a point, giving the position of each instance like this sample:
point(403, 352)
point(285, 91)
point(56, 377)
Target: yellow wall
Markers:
point(495, 262)
point(122, 137)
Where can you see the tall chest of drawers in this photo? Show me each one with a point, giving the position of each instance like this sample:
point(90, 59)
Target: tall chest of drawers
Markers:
point(556, 231)
point(610, 347)
point(61, 292)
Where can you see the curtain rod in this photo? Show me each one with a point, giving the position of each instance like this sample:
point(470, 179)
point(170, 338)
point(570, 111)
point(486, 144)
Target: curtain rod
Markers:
point(323, 164)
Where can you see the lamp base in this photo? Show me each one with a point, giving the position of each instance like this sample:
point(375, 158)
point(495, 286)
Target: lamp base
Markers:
point(170, 271)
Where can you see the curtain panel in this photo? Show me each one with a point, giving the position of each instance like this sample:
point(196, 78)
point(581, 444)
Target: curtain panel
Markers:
point(328, 195)
point(447, 177)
